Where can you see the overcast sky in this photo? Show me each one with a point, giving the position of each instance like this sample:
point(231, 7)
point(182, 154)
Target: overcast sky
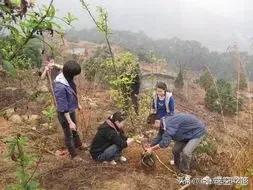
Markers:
point(215, 23)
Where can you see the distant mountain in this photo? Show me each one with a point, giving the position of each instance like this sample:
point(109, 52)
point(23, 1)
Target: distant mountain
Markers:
point(189, 54)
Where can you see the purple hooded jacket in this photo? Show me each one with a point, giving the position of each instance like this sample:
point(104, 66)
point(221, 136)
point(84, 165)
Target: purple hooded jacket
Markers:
point(65, 96)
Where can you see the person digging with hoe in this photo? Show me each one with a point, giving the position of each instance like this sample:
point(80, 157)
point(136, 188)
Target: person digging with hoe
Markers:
point(67, 102)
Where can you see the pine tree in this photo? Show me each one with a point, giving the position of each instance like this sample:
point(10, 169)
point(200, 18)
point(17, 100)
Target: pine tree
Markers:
point(179, 82)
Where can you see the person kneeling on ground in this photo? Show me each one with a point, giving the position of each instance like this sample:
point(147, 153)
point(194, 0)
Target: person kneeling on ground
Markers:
point(185, 129)
point(110, 140)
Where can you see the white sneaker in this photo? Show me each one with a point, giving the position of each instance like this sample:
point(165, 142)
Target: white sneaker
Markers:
point(122, 159)
point(113, 162)
point(172, 162)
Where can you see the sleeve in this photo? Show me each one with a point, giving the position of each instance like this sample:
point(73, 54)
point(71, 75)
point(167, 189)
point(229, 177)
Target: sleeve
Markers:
point(172, 105)
point(165, 140)
point(117, 139)
point(158, 138)
point(153, 103)
point(167, 135)
point(123, 136)
point(61, 100)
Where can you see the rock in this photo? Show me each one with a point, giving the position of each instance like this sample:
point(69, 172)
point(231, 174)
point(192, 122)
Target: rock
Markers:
point(43, 88)
point(40, 99)
point(11, 88)
point(33, 119)
point(93, 104)
point(30, 92)
point(45, 125)
point(16, 119)
point(24, 118)
point(9, 112)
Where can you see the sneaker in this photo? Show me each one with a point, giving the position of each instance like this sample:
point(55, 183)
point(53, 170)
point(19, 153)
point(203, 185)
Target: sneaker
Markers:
point(172, 162)
point(122, 159)
point(185, 176)
point(113, 162)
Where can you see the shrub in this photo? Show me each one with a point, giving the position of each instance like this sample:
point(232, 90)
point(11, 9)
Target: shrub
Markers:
point(179, 82)
point(243, 82)
point(221, 98)
point(206, 146)
point(205, 80)
point(24, 162)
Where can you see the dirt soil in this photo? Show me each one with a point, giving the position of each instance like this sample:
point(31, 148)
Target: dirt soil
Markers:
point(60, 173)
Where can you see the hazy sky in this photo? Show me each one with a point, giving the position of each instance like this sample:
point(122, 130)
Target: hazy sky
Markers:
point(215, 23)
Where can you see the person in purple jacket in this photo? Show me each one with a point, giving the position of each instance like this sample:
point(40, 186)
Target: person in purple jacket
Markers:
point(185, 129)
point(67, 102)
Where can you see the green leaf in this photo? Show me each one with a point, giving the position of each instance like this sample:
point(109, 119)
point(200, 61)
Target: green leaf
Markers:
point(16, 3)
point(69, 18)
point(51, 11)
point(9, 68)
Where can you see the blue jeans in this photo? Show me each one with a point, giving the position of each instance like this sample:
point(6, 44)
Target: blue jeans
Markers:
point(113, 152)
point(182, 152)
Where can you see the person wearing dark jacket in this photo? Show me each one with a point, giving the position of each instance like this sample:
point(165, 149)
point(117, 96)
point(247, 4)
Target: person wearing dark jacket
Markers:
point(67, 102)
point(135, 89)
point(185, 129)
point(110, 140)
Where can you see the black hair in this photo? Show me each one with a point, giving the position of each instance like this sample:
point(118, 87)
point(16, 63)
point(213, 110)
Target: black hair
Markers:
point(151, 118)
point(162, 85)
point(70, 69)
point(118, 116)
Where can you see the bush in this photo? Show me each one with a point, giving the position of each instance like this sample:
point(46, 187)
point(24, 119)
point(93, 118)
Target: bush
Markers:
point(122, 76)
point(206, 146)
point(243, 82)
point(24, 162)
point(119, 76)
point(94, 67)
point(179, 82)
point(224, 99)
point(205, 80)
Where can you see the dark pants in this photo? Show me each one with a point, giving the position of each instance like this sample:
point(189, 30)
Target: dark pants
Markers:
point(135, 102)
point(72, 139)
point(113, 152)
point(130, 100)
point(182, 152)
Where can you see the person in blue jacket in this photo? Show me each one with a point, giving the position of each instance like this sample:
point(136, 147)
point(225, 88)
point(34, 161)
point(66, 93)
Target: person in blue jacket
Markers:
point(67, 102)
point(163, 103)
point(185, 129)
